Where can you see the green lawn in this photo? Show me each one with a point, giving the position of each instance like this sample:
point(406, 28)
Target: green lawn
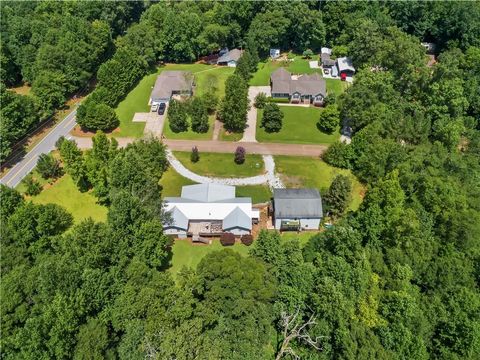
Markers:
point(137, 98)
point(218, 75)
point(64, 192)
point(313, 172)
point(189, 135)
point(302, 237)
point(299, 127)
point(172, 183)
point(223, 136)
point(189, 255)
point(335, 86)
point(258, 193)
point(222, 165)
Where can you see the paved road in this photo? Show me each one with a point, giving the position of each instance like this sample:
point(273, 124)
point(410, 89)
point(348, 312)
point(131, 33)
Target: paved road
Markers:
point(47, 144)
point(227, 146)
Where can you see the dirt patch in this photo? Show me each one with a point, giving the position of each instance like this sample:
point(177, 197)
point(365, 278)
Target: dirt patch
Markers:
point(292, 181)
point(21, 90)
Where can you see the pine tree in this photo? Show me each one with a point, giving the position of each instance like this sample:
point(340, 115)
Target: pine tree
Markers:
point(177, 116)
point(199, 116)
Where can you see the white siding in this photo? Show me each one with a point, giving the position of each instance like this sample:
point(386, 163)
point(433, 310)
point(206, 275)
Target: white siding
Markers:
point(238, 231)
point(305, 224)
point(176, 232)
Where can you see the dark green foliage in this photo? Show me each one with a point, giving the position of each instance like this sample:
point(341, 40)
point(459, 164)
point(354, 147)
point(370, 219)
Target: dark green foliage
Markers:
point(198, 115)
point(239, 157)
point(32, 186)
point(235, 104)
point(96, 116)
point(272, 118)
point(177, 116)
point(48, 166)
point(74, 163)
point(339, 195)
point(308, 54)
point(260, 100)
point(329, 119)
point(194, 156)
point(10, 200)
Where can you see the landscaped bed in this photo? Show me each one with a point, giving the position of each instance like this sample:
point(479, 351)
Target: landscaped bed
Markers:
point(222, 165)
point(313, 172)
point(299, 127)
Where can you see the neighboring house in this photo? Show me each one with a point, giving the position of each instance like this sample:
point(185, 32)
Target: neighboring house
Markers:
point(430, 48)
point(326, 61)
point(303, 88)
point(230, 58)
point(297, 209)
point(170, 83)
point(274, 53)
point(345, 67)
point(206, 210)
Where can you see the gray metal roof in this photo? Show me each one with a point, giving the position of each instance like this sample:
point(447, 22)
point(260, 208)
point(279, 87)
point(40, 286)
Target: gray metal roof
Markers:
point(232, 55)
point(208, 192)
point(313, 84)
point(179, 220)
point(169, 81)
point(345, 64)
point(237, 219)
point(297, 203)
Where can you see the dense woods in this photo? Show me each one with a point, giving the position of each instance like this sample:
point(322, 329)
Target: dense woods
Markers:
point(397, 279)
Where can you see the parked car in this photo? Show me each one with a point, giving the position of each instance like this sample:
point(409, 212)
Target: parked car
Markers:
point(343, 76)
point(154, 107)
point(326, 71)
point(161, 108)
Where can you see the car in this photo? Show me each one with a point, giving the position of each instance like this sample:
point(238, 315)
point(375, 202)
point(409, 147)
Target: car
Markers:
point(154, 107)
point(161, 108)
point(326, 71)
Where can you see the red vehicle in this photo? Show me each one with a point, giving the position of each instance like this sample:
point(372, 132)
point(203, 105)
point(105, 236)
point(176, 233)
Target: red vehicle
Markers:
point(343, 76)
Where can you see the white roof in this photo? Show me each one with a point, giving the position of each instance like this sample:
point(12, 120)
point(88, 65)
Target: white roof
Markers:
point(208, 192)
point(345, 63)
point(326, 50)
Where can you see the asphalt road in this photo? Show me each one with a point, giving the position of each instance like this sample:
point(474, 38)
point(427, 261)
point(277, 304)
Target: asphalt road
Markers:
point(47, 144)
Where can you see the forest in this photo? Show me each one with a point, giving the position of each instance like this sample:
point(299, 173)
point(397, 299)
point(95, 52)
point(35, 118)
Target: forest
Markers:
point(397, 279)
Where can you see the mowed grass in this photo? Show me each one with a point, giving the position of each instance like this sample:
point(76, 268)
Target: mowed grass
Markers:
point(63, 192)
point(186, 254)
point(336, 86)
point(258, 193)
point(137, 98)
point(224, 136)
point(189, 134)
point(299, 127)
point(222, 165)
point(172, 183)
point(311, 172)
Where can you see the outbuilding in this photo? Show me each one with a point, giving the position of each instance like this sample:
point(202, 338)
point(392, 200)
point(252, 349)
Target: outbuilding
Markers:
point(297, 209)
point(345, 67)
point(230, 58)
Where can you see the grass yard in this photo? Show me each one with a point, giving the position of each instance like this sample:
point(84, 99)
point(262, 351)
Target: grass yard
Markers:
point(302, 237)
point(312, 172)
point(335, 86)
point(189, 255)
point(299, 127)
point(189, 134)
point(64, 192)
point(222, 165)
point(258, 193)
point(137, 98)
point(217, 75)
point(172, 183)
point(223, 136)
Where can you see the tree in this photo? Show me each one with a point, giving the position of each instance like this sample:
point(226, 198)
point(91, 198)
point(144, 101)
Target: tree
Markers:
point(329, 119)
point(74, 164)
point(308, 54)
point(239, 155)
point(260, 100)
point(339, 195)
point(11, 199)
point(48, 166)
point(244, 66)
point(50, 88)
point(235, 104)
point(96, 116)
point(177, 116)
point(198, 115)
point(272, 118)
point(32, 186)
point(194, 156)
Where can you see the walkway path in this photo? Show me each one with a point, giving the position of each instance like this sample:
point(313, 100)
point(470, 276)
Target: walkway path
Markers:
point(250, 130)
point(269, 177)
point(217, 127)
point(225, 146)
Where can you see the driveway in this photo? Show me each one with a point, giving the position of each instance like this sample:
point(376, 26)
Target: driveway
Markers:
point(153, 122)
point(250, 130)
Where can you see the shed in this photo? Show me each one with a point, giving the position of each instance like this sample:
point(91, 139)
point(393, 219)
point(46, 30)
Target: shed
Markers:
point(274, 53)
point(345, 66)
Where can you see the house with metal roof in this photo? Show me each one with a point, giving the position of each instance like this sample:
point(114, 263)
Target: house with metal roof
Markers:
point(307, 88)
point(205, 210)
point(345, 66)
point(171, 83)
point(230, 58)
point(297, 209)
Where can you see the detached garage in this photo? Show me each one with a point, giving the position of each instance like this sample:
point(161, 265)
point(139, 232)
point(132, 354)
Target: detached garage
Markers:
point(297, 209)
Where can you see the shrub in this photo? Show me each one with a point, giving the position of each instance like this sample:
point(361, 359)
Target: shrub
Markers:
point(96, 116)
point(329, 119)
point(211, 101)
point(272, 118)
point(339, 155)
point(199, 116)
point(278, 100)
point(48, 166)
point(59, 142)
point(194, 156)
point(247, 240)
point(227, 239)
point(260, 100)
point(308, 54)
point(32, 186)
point(240, 155)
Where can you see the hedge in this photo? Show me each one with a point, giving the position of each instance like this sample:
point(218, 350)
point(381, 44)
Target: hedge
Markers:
point(278, 100)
